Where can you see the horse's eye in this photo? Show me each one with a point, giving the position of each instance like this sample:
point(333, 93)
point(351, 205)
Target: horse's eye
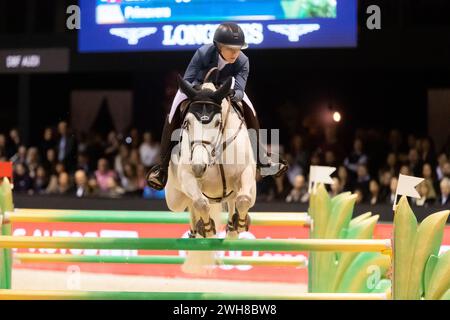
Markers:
point(217, 123)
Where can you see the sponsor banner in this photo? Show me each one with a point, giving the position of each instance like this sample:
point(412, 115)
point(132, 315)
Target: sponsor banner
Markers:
point(136, 25)
point(247, 273)
point(34, 60)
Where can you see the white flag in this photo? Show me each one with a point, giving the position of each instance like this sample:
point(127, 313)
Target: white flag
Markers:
point(320, 174)
point(407, 186)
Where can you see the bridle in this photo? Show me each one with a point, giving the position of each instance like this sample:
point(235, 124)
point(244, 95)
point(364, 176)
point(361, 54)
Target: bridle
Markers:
point(215, 146)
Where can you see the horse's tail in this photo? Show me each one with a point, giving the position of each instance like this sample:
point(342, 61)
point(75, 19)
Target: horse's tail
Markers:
point(203, 262)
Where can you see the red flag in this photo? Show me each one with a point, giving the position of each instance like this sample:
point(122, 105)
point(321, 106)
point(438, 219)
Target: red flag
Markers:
point(6, 170)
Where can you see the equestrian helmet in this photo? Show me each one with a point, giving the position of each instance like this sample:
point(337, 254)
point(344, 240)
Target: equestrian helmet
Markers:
point(231, 35)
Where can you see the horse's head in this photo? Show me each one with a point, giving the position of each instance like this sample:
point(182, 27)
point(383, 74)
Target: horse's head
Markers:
point(203, 122)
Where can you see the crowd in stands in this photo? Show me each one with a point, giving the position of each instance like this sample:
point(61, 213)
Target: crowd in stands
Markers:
point(90, 165)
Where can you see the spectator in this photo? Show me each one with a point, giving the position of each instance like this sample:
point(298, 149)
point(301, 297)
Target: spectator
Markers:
point(444, 199)
point(442, 159)
point(22, 181)
point(32, 161)
point(415, 164)
point(103, 174)
point(112, 146)
point(330, 159)
point(66, 147)
point(48, 142)
point(41, 180)
point(50, 161)
point(336, 187)
point(15, 142)
point(374, 190)
point(20, 156)
point(446, 170)
point(424, 200)
point(282, 187)
point(299, 192)
point(359, 196)
point(299, 153)
point(129, 180)
point(294, 169)
point(391, 164)
point(135, 158)
point(148, 150)
point(82, 188)
point(346, 183)
point(393, 190)
point(135, 140)
point(141, 179)
point(3, 148)
point(112, 190)
point(64, 184)
point(428, 154)
point(332, 144)
point(405, 170)
point(121, 159)
point(427, 174)
point(362, 180)
point(356, 157)
point(83, 163)
point(385, 181)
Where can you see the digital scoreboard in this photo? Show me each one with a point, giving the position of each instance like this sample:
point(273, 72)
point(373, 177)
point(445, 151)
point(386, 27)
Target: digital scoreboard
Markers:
point(157, 25)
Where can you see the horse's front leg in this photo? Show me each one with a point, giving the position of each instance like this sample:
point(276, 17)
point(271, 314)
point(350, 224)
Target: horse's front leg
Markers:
point(245, 199)
point(204, 225)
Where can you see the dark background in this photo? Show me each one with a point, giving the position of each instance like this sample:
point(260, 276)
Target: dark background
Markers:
point(379, 84)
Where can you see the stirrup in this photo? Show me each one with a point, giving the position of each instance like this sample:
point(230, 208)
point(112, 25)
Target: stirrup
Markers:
point(157, 178)
point(283, 166)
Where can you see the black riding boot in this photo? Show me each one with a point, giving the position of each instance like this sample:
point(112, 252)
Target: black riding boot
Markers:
point(157, 175)
point(263, 158)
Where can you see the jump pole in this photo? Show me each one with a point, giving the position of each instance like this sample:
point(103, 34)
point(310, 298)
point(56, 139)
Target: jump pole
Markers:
point(157, 217)
point(336, 245)
point(99, 295)
point(299, 262)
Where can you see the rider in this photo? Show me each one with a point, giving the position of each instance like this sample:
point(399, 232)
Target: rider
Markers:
point(225, 54)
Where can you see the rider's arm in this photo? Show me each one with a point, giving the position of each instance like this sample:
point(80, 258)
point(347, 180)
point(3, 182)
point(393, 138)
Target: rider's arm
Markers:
point(241, 81)
point(194, 67)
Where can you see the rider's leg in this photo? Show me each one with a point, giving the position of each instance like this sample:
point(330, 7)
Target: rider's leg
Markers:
point(263, 159)
point(157, 176)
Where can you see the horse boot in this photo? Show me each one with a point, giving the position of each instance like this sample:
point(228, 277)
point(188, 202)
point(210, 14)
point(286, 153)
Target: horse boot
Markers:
point(237, 223)
point(263, 158)
point(158, 174)
point(205, 229)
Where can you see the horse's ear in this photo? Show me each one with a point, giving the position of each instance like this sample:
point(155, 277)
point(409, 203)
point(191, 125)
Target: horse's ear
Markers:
point(186, 88)
point(223, 91)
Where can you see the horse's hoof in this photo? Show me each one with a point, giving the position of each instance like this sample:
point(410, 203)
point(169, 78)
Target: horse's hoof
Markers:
point(232, 235)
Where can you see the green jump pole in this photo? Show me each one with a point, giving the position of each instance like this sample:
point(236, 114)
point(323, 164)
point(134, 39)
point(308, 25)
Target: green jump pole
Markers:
point(335, 245)
point(99, 295)
point(156, 259)
point(157, 217)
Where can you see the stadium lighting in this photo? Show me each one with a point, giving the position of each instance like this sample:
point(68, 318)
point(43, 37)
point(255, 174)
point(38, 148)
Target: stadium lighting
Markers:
point(337, 116)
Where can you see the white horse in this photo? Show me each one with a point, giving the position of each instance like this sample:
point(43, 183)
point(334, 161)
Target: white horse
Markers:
point(212, 164)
